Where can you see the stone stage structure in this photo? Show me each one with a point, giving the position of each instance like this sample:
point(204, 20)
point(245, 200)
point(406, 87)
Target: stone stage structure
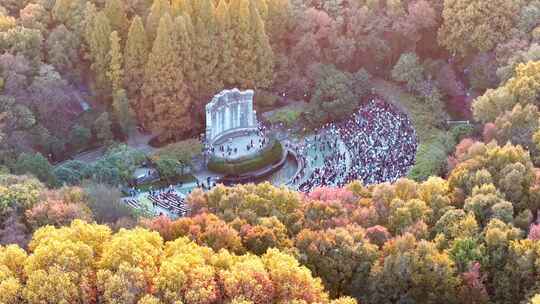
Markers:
point(230, 111)
point(231, 125)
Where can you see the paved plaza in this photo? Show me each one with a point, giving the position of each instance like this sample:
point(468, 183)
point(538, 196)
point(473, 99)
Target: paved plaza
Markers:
point(239, 146)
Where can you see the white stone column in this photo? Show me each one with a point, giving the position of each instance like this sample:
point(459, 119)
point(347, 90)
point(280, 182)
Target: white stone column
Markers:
point(250, 114)
point(220, 122)
point(246, 114)
point(228, 117)
point(236, 115)
point(214, 124)
point(208, 125)
point(222, 112)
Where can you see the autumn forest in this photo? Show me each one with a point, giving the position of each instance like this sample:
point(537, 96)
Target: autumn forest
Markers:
point(432, 196)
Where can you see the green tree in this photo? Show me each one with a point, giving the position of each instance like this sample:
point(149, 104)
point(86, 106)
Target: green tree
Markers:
point(72, 172)
point(36, 165)
point(168, 168)
point(79, 137)
point(334, 96)
point(409, 70)
point(465, 252)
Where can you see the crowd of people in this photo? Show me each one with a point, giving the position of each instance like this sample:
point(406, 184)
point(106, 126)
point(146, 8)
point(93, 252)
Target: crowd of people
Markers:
point(165, 200)
point(169, 200)
point(379, 139)
point(376, 144)
point(326, 159)
point(230, 149)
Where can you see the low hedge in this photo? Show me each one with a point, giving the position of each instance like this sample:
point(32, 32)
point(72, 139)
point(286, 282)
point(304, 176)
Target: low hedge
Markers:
point(265, 158)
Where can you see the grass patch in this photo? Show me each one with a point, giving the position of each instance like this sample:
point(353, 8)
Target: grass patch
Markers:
point(286, 117)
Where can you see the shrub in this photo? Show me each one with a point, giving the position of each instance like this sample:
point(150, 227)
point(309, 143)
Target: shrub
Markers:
point(80, 137)
point(72, 172)
point(37, 165)
point(430, 160)
point(104, 202)
point(462, 131)
point(175, 156)
point(57, 213)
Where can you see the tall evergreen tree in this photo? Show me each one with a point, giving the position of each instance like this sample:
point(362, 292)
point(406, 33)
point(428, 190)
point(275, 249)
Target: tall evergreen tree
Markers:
point(165, 99)
point(90, 13)
point(102, 128)
point(70, 13)
point(116, 12)
point(225, 68)
point(123, 112)
point(182, 7)
point(205, 51)
point(60, 11)
point(115, 71)
point(262, 7)
point(159, 9)
point(244, 66)
point(183, 48)
point(278, 22)
point(87, 26)
point(135, 57)
point(262, 50)
point(99, 45)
